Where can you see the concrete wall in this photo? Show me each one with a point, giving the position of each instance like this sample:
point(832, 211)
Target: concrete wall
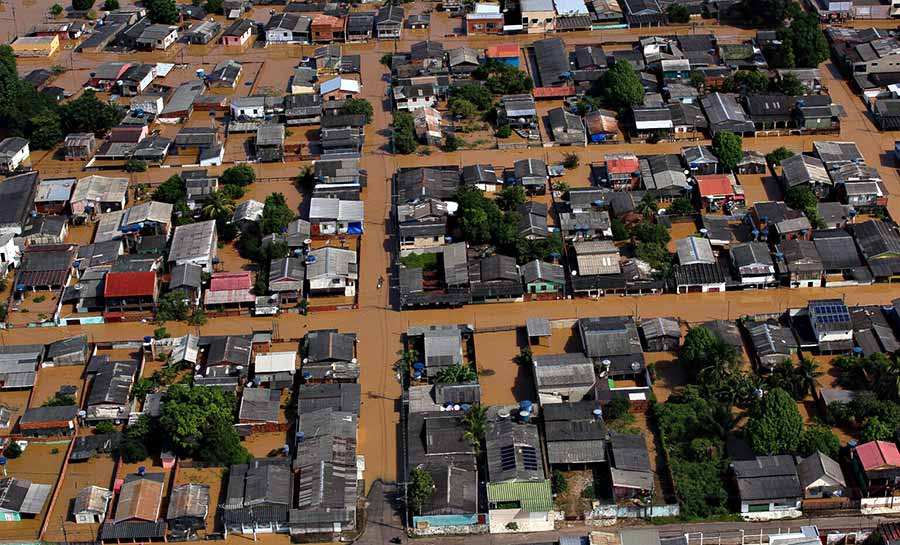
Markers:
point(525, 522)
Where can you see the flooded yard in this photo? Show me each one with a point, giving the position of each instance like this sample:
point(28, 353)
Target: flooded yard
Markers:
point(503, 381)
point(51, 379)
point(97, 471)
point(40, 463)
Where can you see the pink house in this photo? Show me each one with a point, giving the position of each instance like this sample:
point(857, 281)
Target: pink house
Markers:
point(238, 33)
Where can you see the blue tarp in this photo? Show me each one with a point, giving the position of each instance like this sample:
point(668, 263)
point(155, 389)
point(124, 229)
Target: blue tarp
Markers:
point(354, 228)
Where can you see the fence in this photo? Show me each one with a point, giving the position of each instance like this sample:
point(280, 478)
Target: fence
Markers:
point(633, 512)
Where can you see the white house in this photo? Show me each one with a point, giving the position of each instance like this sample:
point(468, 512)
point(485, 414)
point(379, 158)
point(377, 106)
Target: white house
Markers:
point(13, 152)
point(248, 108)
point(412, 97)
point(830, 321)
point(10, 254)
point(147, 104)
point(91, 504)
point(194, 243)
point(335, 216)
point(332, 271)
point(339, 89)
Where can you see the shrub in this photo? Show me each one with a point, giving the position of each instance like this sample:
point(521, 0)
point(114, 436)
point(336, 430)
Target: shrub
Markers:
point(13, 450)
point(571, 161)
point(504, 131)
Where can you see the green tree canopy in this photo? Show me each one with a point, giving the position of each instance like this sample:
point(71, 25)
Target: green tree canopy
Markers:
point(775, 157)
point(171, 191)
point(421, 489)
point(775, 424)
point(88, 114)
point(791, 85)
point(199, 423)
point(728, 147)
point(474, 93)
point(818, 439)
point(404, 134)
point(215, 6)
point(240, 175)
point(622, 88)
point(162, 11)
point(678, 14)
point(276, 214)
point(359, 106)
point(510, 197)
point(805, 41)
point(746, 81)
point(171, 306)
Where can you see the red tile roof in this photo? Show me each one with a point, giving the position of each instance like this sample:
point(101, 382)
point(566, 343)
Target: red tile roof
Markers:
point(225, 281)
point(129, 284)
point(503, 51)
point(554, 92)
point(623, 165)
point(877, 455)
point(714, 185)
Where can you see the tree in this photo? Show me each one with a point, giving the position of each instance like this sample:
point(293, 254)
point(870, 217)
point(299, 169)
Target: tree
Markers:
point(218, 204)
point(876, 430)
point(806, 41)
point(475, 421)
point(111, 5)
point(135, 165)
point(510, 197)
point(682, 206)
point(558, 482)
point(56, 10)
point(198, 317)
point(647, 206)
point(171, 306)
point(161, 333)
point(678, 14)
point(775, 424)
point(651, 233)
point(791, 85)
point(404, 134)
point(728, 147)
point(462, 108)
point(622, 87)
point(697, 79)
point(171, 191)
point(421, 489)
point(45, 130)
point(452, 143)
point(240, 175)
point(454, 374)
point(82, 5)
point(358, 106)
point(137, 440)
point(503, 79)
point(571, 161)
point(700, 347)
point(104, 428)
point(215, 6)
point(12, 450)
point(746, 81)
point(163, 12)
point(818, 439)
point(505, 131)
point(775, 157)
point(387, 59)
point(473, 93)
point(233, 192)
point(276, 215)
point(654, 254)
point(806, 378)
point(619, 231)
point(198, 423)
point(768, 13)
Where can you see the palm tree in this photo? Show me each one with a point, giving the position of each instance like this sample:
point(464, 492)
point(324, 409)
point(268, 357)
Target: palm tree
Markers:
point(218, 204)
point(806, 378)
point(475, 420)
point(647, 206)
point(454, 374)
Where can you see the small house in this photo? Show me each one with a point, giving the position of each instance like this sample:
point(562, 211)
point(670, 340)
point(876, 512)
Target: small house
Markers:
point(286, 277)
point(561, 378)
point(238, 33)
point(806, 171)
point(532, 175)
point(91, 504)
point(270, 142)
point(821, 477)
point(330, 217)
point(877, 466)
point(631, 475)
point(53, 196)
point(259, 406)
point(258, 496)
point(188, 508)
point(389, 22)
point(138, 516)
point(275, 369)
point(601, 126)
point(80, 146)
point(660, 334)
point(13, 153)
point(772, 343)
point(339, 88)
point(538, 331)
point(203, 32)
point(21, 498)
point(229, 290)
point(332, 271)
point(98, 194)
point(542, 278)
point(194, 243)
point(768, 484)
point(567, 128)
point(330, 356)
point(59, 421)
point(803, 264)
point(753, 263)
point(187, 279)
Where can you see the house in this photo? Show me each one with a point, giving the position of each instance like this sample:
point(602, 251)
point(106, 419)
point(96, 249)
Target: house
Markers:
point(834, 215)
point(110, 388)
point(462, 61)
point(13, 152)
point(17, 192)
point(863, 195)
point(821, 477)
point(339, 88)
point(98, 194)
point(772, 343)
point(389, 22)
point(517, 111)
point(485, 19)
point(203, 32)
point(79, 146)
point(802, 262)
point(553, 69)
point(302, 109)
point(542, 278)
point(427, 125)
point(768, 484)
point(532, 175)
point(538, 16)
point(567, 128)
point(533, 223)
point(494, 278)
point(188, 507)
point(753, 264)
point(332, 271)
point(91, 504)
point(270, 142)
point(45, 230)
point(594, 224)
point(652, 122)
point(831, 324)
point(601, 126)
point(138, 514)
point(775, 221)
point(622, 171)
point(413, 97)
point(877, 240)
point(35, 46)
point(688, 121)
point(699, 277)
point(726, 114)
point(719, 191)
point(187, 279)
point(53, 196)
point(574, 434)
point(505, 53)
point(198, 185)
point(181, 104)
point(609, 336)
point(130, 291)
point(770, 111)
point(840, 258)
point(45, 267)
point(259, 406)
point(58, 421)
point(877, 466)
point(596, 257)
point(229, 290)
point(326, 28)
point(275, 369)
point(194, 243)
point(288, 28)
point(631, 475)
point(286, 278)
point(442, 347)
point(806, 171)
point(69, 351)
point(258, 497)
point(701, 160)
point(427, 54)
point(359, 26)
point(225, 75)
point(641, 13)
point(422, 224)
point(835, 154)
point(238, 33)
point(660, 334)
point(561, 378)
point(330, 356)
point(22, 499)
point(329, 217)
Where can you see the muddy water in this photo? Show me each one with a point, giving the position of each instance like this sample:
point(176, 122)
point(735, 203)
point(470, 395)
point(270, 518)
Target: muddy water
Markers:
point(97, 471)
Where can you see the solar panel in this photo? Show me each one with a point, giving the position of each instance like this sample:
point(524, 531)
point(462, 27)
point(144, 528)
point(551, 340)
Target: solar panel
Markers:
point(507, 457)
point(529, 458)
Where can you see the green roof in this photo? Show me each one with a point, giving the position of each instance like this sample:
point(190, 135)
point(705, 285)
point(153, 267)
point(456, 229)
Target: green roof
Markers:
point(533, 496)
point(736, 52)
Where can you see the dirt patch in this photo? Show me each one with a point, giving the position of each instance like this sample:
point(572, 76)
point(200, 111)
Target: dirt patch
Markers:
point(571, 502)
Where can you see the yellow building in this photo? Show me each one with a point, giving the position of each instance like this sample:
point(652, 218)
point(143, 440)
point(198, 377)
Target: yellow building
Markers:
point(35, 46)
